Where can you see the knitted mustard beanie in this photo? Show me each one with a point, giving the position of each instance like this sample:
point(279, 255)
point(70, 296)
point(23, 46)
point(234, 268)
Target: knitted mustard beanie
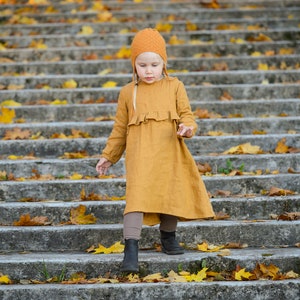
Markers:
point(148, 40)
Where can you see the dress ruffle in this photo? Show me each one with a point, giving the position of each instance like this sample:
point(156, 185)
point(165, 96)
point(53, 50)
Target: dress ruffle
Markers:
point(153, 115)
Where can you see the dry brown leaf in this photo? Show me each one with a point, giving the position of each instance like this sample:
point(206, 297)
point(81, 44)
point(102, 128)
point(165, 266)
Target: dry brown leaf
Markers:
point(281, 146)
point(232, 245)
point(7, 115)
point(275, 191)
point(78, 216)
point(204, 168)
point(226, 96)
point(221, 216)
point(289, 216)
point(17, 134)
point(223, 193)
point(26, 220)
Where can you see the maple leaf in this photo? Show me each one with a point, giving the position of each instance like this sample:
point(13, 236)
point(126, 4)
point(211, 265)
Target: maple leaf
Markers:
point(104, 16)
point(17, 134)
point(205, 247)
point(246, 148)
point(191, 26)
point(197, 277)
point(26, 220)
point(86, 30)
point(70, 84)
point(3, 176)
point(289, 216)
point(37, 44)
point(7, 115)
point(153, 277)
point(175, 41)
point(275, 191)
point(123, 52)
point(174, 277)
point(163, 27)
point(76, 176)
point(115, 248)
point(74, 155)
point(281, 146)
point(78, 216)
point(109, 84)
point(59, 102)
point(242, 274)
point(4, 279)
point(210, 4)
point(10, 102)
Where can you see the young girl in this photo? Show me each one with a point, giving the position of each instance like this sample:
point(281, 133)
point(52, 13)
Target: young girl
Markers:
point(153, 116)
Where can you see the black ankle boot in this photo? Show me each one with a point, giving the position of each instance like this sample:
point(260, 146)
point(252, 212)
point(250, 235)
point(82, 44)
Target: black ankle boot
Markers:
point(169, 245)
point(130, 261)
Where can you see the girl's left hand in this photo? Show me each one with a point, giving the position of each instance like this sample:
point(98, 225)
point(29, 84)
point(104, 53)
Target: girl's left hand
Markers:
point(185, 131)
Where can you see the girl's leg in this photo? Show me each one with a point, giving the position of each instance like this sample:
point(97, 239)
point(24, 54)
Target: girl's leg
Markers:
point(168, 223)
point(132, 232)
point(168, 226)
point(132, 225)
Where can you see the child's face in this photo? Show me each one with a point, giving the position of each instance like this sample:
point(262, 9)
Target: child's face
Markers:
point(149, 67)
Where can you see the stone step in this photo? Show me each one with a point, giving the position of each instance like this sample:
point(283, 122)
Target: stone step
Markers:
point(68, 189)
point(116, 39)
point(115, 5)
point(177, 25)
point(27, 266)
point(197, 145)
point(62, 168)
point(79, 53)
point(78, 112)
point(231, 126)
point(111, 212)
point(70, 238)
point(213, 92)
point(174, 65)
point(189, 79)
point(264, 289)
point(141, 14)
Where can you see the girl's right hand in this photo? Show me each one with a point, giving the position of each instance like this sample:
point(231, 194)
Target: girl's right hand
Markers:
point(103, 165)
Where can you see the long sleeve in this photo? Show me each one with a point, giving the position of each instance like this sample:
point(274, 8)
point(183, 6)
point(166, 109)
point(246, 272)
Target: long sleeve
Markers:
point(116, 142)
point(184, 108)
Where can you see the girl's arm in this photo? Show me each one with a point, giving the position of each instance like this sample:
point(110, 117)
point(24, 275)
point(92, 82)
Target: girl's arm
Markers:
point(187, 125)
point(116, 142)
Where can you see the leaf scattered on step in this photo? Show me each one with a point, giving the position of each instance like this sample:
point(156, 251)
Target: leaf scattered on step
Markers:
point(224, 252)
point(221, 216)
point(246, 148)
point(74, 155)
point(115, 248)
point(78, 216)
point(17, 134)
point(7, 115)
point(226, 96)
point(109, 84)
point(86, 30)
point(26, 220)
point(204, 168)
point(4, 279)
point(70, 84)
point(242, 274)
point(10, 103)
point(289, 216)
point(205, 247)
point(275, 191)
point(233, 245)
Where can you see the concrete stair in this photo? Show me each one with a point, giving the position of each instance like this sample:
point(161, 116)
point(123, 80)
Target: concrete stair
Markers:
point(211, 60)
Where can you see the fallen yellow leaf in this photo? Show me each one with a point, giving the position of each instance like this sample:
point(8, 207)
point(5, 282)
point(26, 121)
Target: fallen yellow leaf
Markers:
point(78, 216)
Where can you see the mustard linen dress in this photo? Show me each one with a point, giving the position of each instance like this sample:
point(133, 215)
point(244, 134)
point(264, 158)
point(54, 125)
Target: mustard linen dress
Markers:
point(161, 174)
